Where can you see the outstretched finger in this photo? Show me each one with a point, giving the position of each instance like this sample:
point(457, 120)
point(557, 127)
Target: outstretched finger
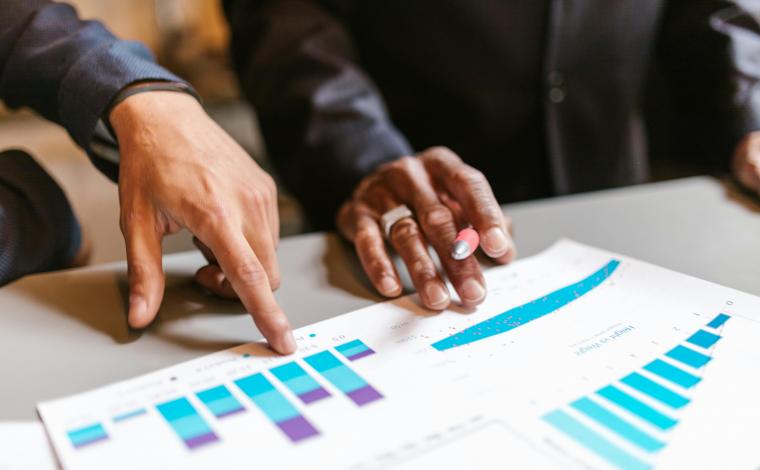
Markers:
point(144, 268)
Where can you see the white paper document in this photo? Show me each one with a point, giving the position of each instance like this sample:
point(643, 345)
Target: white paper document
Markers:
point(578, 358)
point(24, 446)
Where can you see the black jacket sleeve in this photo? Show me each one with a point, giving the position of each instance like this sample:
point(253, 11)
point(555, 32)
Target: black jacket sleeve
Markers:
point(324, 121)
point(66, 69)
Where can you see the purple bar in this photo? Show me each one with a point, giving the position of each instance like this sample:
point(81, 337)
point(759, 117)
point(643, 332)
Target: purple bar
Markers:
point(364, 395)
point(314, 395)
point(367, 352)
point(298, 428)
point(231, 412)
point(201, 440)
point(93, 441)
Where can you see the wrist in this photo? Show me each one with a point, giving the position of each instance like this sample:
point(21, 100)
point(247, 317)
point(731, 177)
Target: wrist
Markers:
point(148, 109)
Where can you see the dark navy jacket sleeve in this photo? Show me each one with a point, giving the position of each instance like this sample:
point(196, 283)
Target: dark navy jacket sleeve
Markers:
point(67, 69)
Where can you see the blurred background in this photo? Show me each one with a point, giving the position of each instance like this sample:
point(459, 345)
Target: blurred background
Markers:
point(190, 38)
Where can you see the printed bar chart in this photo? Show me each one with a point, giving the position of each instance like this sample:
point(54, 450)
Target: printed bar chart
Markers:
point(594, 442)
point(300, 382)
point(703, 339)
point(343, 378)
point(187, 423)
point(672, 373)
point(526, 313)
point(354, 350)
point(276, 407)
point(129, 415)
point(220, 401)
point(653, 389)
point(688, 356)
point(607, 414)
point(87, 435)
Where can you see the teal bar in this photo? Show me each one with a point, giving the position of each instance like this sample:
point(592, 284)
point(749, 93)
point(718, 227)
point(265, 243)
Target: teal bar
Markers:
point(129, 415)
point(184, 419)
point(295, 378)
point(642, 410)
point(85, 435)
point(672, 373)
point(323, 361)
point(718, 321)
point(267, 398)
point(357, 343)
point(703, 339)
point(655, 390)
point(618, 425)
point(348, 352)
point(688, 356)
point(176, 409)
point(594, 442)
point(337, 373)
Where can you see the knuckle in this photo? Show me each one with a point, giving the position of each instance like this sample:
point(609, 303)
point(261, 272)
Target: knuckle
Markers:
point(405, 231)
point(469, 176)
point(437, 216)
point(440, 152)
point(365, 238)
point(250, 274)
point(375, 267)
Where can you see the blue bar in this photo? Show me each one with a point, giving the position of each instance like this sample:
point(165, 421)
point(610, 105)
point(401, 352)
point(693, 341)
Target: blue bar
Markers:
point(642, 410)
point(129, 415)
point(718, 321)
point(703, 339)
point(672, 373)
point(267, 398)
point(617, 425)
point(352, 347)
point(220, 401)
point(594, 442)
point(87, 435)
point(688, 356)
point(337, 373)
point(295, 378)
point(187, 423)
point(655, 390)
point(526, 313)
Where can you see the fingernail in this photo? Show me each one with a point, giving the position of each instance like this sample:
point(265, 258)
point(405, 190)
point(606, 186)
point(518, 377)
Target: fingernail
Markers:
point(288, 343)
point(137, 310)
point(388, 286)
point(437, 295)
point(496, 241)
point(472, 291)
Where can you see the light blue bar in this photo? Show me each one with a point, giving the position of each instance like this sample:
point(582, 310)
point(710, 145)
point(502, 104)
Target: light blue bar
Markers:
point(642, 410)
point(190, 426)
point(688, 356)
point(345, 379)
point(295, 378)
point(323, 361)
point(128, 415)
point(87, 434)
point(617, 425)
point(355, 350)
point(655, 390)
point(526, 313)
point(718, 321)
point(672, 373)
point(222, 406)
point(268, 399)
point(703, 339)
point(351, 344)
point(594, 442)
point(183, 418)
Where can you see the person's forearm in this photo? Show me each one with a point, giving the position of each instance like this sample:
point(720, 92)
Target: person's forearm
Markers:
point(323, 119)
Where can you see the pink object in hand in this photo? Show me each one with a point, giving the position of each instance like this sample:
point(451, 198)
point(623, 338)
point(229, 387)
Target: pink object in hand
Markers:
point(465, 244)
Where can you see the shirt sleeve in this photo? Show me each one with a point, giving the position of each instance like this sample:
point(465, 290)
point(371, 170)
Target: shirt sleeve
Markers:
point(323, 119)
point(67, 69)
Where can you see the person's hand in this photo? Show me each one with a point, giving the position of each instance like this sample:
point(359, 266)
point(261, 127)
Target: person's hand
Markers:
point(179, 169)
point(747, 161)
point(445, 195)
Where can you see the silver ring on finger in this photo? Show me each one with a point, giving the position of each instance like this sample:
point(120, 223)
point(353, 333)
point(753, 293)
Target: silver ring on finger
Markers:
point(392, 217)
